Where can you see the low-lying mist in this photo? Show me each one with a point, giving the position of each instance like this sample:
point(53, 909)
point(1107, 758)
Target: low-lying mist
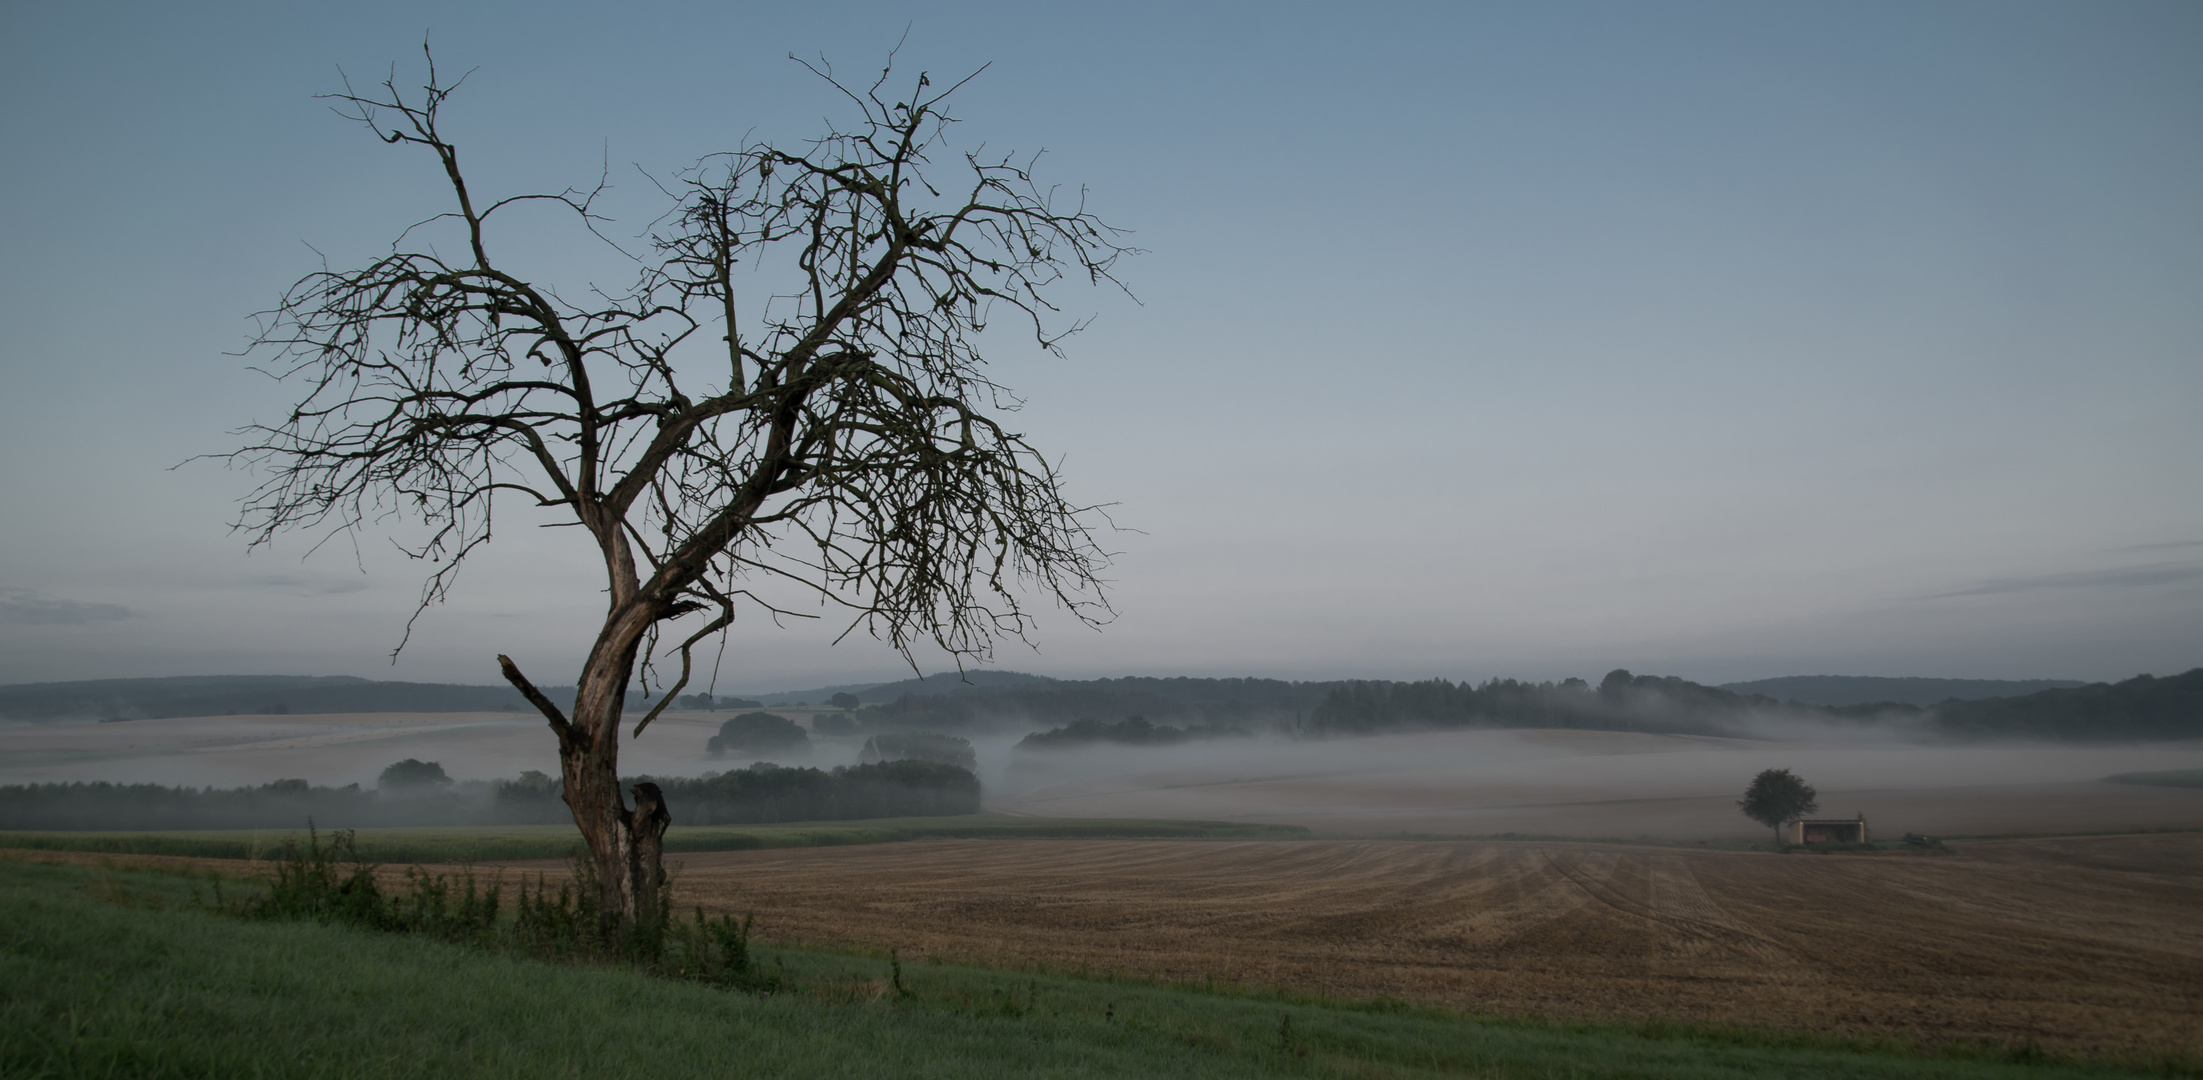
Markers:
point(1594, 783)
point(1636, 755)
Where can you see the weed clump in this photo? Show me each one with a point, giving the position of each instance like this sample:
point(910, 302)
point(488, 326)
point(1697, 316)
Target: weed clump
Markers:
point(334, 884)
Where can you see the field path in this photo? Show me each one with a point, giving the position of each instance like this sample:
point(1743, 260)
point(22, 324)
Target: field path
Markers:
point(2077, 945)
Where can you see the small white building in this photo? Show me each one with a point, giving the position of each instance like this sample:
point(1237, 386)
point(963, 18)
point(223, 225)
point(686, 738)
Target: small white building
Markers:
point(1806, 832)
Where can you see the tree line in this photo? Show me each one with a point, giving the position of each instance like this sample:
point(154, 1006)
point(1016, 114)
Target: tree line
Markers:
point(1621, 702)
point(117, 700)
point(762, 793)
point(1131, 731)
point(2138, 709)
point(1185, 703)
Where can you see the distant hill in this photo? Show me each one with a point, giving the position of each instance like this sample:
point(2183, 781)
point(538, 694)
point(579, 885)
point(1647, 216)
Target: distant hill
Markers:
point(1867, 690)
point(224, 695)
point(219, 695)
point(2142, 708)
point(949, 682)
point(1029, 703)
point(2139, 709)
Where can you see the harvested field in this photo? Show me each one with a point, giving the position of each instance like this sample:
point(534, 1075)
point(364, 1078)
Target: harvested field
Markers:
point(2082, 946)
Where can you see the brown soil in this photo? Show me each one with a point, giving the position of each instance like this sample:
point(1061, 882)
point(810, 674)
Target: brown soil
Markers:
point(2084, 946)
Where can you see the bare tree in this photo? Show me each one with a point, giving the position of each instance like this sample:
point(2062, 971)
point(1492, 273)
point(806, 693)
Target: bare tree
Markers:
point(704, 431)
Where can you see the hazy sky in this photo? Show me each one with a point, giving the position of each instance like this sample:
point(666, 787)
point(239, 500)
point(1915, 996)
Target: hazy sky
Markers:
point(1722, 340)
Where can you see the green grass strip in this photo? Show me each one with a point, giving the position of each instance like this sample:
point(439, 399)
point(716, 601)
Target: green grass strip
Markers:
point(110, 974)
point(465, 843)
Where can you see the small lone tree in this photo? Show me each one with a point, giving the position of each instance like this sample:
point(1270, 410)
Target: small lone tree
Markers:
point(1777, 796)
point(791, 388)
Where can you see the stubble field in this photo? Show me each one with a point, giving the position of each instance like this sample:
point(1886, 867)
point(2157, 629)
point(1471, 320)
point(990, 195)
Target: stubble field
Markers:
point(2084, 946)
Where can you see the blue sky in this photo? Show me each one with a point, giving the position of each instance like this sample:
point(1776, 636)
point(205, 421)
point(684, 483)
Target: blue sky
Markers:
point(1722, 340)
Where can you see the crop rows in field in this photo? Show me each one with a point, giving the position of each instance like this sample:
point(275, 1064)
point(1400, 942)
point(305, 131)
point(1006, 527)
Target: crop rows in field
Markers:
point(2086, 946)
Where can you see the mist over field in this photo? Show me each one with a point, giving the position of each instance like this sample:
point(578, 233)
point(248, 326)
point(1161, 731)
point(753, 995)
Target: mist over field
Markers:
point(1638, 756)
point(1149, 539)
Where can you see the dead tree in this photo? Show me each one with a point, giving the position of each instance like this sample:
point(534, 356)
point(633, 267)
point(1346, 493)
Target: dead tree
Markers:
point(792, 388)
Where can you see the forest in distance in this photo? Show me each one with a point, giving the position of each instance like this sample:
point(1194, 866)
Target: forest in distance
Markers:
point(2144, 708)
point(917, 760)
point(1159, 711)
point(763, 793)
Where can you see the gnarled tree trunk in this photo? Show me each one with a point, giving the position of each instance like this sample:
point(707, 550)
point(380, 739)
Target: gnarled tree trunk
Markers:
point(625, 844)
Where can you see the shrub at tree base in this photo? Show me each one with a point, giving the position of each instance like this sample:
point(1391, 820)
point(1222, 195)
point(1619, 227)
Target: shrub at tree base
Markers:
point(333, 884)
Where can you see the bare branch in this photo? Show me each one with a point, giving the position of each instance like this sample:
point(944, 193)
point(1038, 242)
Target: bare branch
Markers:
point(837, 429)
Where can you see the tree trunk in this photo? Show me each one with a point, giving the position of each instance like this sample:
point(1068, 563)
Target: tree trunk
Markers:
point(626, 846)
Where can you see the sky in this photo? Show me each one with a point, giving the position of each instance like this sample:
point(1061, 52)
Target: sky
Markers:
point(1724, 340)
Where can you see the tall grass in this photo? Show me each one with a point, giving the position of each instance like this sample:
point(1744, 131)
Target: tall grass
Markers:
point(334, 883)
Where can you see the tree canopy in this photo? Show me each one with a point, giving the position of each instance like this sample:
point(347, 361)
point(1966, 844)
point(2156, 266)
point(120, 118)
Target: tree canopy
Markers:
point(414, 774)
point(1777, 796)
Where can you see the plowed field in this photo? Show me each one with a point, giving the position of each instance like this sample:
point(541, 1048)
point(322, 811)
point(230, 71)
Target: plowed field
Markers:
point(2088, 946)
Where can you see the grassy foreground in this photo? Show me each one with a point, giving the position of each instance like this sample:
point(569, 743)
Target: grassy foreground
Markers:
point(106, 973)
point(487, 843)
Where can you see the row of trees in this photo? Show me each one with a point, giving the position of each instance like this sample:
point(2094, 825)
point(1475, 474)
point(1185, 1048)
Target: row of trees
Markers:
point(759, 794)
point(1247, 704)
point(920, 746)
point(284, 804)
point(1621, 702)
point(2139, 708)
point(773, 793)
point(763, 734)
point(1131, 731)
